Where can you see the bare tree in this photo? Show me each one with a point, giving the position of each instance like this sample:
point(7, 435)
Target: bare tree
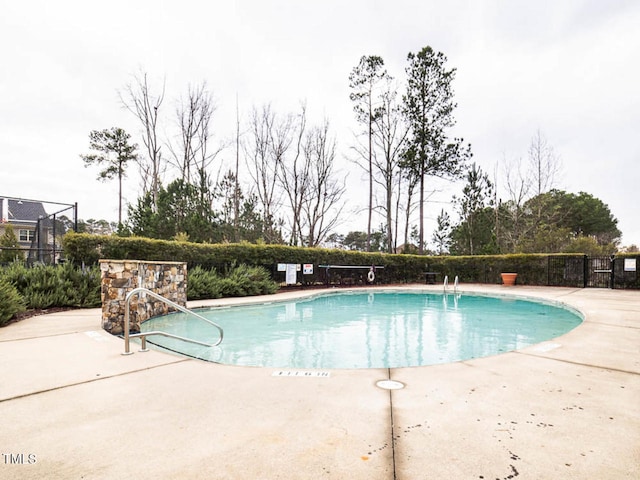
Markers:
point(293, 175)
point(524, 181)
point(288, 160)
point(193, 154)
point(265, 150)
point(139, 100)
point(363, 81)
point(236, 190)
point(323, 204)
point(195, 151)
point(411, 182)
point(544, 164)
point(390, 136)
point(518, 185)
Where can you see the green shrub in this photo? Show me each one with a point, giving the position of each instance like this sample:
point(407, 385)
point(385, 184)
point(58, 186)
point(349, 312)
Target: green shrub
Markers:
point(241, 281)
point(11, 302)
point(47, 286)
point(9, 245)
point(245, 281)
point(230, 288)
point(40, 286)
point(203, 284)
point(82, 286)
point(16, 274)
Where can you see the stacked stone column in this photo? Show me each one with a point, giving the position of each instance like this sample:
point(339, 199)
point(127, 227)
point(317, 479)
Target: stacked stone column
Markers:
point(119, 277)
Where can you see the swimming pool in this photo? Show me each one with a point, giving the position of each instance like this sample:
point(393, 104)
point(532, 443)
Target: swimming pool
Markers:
point(365, 329)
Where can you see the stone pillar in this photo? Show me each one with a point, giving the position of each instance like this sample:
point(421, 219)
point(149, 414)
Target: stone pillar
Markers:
point(119, 277)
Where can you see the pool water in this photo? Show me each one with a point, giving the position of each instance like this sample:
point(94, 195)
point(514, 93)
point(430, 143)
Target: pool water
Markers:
point(366, 330)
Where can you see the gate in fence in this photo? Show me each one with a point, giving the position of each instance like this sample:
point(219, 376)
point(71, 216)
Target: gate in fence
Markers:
point(595, 272)
point(598, 272)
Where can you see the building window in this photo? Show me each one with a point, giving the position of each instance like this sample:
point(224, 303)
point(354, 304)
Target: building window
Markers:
point(27, 235)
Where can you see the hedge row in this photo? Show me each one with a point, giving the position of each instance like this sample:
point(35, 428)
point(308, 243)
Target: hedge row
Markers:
point(532, 269)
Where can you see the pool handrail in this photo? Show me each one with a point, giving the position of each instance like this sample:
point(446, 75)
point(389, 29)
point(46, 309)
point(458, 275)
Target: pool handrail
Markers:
point(143, 335)
point(446, 283)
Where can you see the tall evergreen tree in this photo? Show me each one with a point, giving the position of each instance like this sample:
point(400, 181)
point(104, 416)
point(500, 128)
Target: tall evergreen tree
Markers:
point(442, 236)
point(476, 195)
point(113, 151)
point(429, 108)
point(180, 211)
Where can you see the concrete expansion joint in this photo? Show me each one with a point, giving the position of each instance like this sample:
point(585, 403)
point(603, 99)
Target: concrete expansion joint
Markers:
point(572, 292)
point(36, 337)
point(393, 437)
point(97, 379)
point(589, 365)
point(630, 327)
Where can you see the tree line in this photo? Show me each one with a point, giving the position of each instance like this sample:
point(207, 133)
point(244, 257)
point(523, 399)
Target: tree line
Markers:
point(285, 185)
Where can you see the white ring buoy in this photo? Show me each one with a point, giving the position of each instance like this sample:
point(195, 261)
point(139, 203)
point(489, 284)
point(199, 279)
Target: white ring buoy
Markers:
point(371, 276)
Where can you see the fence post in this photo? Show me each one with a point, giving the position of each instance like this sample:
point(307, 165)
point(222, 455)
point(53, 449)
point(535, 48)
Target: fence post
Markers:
point(585, 271)
point(613, 272)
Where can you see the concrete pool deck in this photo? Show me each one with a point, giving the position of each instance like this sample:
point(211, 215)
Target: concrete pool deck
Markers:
point(73, 407)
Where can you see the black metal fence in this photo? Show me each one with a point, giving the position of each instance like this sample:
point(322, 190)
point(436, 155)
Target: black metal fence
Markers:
point(597, 272)
point(565, 271)
point(624, 272)
point(33, 255)
point(557, 271)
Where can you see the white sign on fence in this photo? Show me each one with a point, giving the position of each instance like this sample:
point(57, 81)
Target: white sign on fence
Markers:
point(307, 269)
point(291, 276)
point(629, 264)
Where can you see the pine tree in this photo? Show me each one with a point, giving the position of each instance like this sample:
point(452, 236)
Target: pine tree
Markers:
point(113, 150)
point(429, 109)
point(9, 246)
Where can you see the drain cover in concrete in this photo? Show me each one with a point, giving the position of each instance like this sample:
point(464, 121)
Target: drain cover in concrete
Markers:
point(390, 384)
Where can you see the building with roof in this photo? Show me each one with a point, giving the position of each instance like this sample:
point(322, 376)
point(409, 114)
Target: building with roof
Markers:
point(29, 220)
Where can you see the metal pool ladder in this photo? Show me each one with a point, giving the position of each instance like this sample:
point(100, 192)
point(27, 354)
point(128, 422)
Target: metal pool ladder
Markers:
point(446, 283)
point(143, 335)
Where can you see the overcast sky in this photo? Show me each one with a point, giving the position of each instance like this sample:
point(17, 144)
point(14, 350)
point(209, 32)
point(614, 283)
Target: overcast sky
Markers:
point(570, 69)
